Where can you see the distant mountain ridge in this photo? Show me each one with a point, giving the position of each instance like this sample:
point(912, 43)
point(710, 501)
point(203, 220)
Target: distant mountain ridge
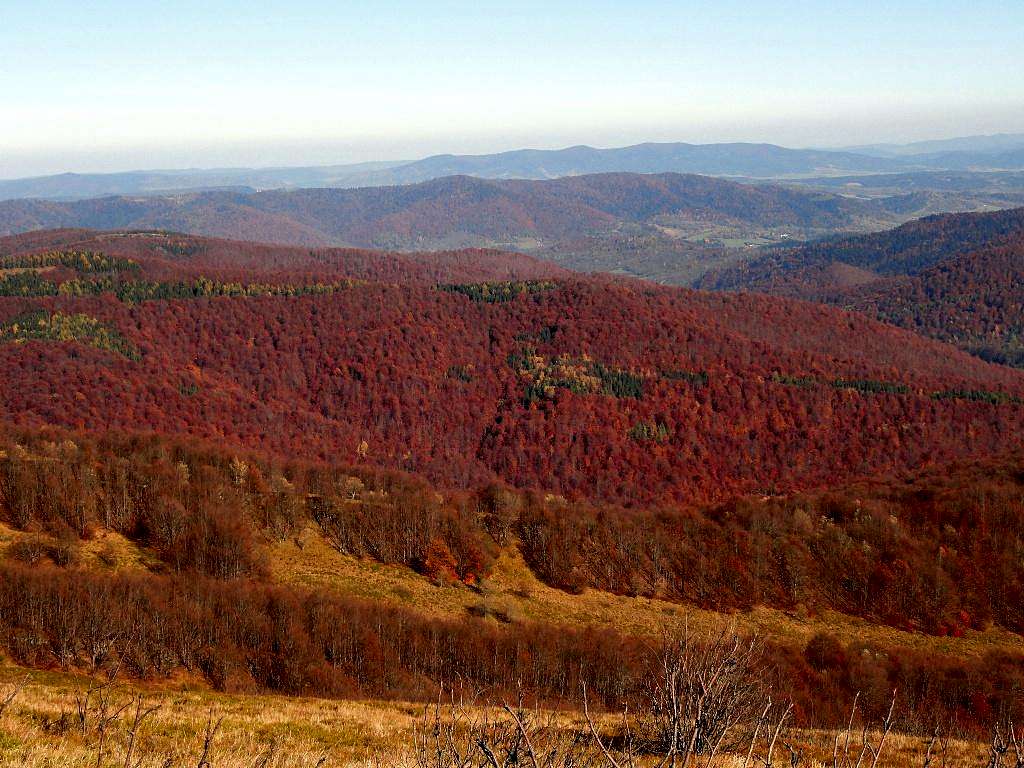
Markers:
point(994, 143)
point(735, 159)
point(75, 186)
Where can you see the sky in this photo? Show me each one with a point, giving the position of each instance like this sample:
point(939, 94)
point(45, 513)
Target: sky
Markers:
point(108, 85)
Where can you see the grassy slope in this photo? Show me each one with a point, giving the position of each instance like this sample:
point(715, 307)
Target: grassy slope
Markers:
point(293, 731)
point(297, 732)
point(513, 593)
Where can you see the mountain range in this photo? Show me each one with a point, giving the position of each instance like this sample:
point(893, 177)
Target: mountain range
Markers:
point(986, 144)
point(457, 208)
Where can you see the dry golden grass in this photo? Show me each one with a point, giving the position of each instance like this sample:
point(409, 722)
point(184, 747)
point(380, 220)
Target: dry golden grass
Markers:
point(288, 732)
point(105, 550)
point(512, 593)
point(281, 732)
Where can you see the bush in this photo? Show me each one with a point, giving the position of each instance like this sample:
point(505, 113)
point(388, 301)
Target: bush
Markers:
point(65, 552)
point(825, 651)
point(29, 550)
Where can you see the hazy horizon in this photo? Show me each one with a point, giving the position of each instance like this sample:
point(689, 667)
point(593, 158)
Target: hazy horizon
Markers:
point(120, 86)
point(260, 154)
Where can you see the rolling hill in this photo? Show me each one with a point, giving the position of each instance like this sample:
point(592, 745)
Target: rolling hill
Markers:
point(954, 278)
point(667, 227)
point(975, 301)
point(170, 255)
point(808, 270)
point(458, 209)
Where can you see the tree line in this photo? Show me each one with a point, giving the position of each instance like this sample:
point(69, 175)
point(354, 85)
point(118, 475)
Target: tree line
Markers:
point(245, 636)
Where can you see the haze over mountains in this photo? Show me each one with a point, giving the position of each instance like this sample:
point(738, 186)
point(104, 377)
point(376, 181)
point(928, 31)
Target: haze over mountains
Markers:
point(993, 143)
point(1004, 152)
point(668, 227)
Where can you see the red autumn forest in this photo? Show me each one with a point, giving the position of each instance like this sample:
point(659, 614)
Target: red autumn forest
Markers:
point(574, 386)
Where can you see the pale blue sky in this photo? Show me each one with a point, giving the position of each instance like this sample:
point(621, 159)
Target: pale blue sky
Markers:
point(119, 84)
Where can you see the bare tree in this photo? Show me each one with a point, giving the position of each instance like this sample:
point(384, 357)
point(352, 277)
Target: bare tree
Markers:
point(8, 696)
point(141, 713)
point(701, 697)
point(771, 724)
point(938, 748)
point(97, 713)
point(456, 734)
point(208, 736)
point(1006, 746)
point(869, 752)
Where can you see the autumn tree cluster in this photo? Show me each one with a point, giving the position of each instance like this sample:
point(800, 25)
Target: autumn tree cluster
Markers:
point(931, 555)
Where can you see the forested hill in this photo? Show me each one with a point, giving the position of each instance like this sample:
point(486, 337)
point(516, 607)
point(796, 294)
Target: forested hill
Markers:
point(975, 301)
point(810, 270)
point(462, 210)
point(608, 389)
point(957, 278)
point(167, 254)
